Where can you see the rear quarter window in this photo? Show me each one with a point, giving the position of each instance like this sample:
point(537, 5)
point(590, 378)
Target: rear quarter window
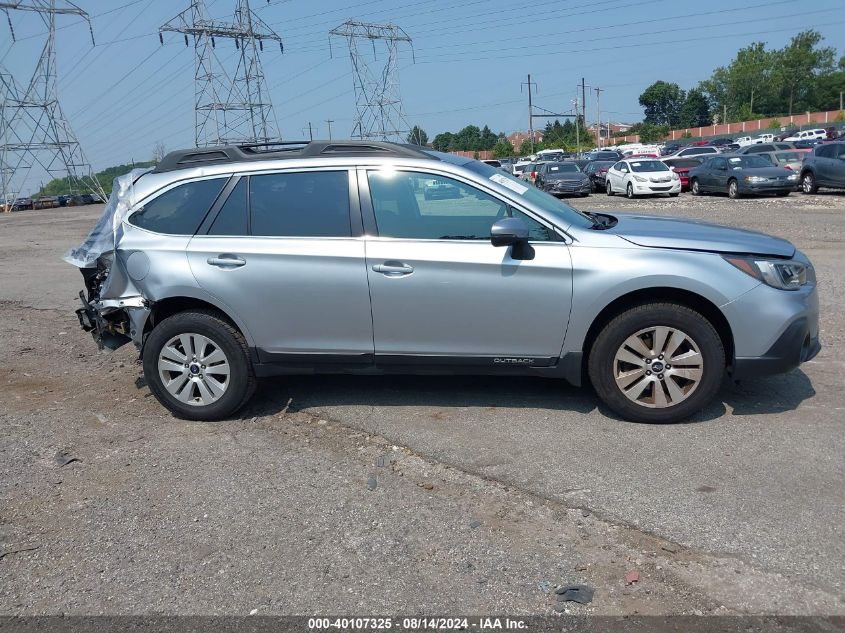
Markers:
point(180, 210)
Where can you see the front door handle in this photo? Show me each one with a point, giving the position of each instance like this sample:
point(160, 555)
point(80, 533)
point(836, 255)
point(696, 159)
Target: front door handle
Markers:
point(393, 269)
point(226, 261)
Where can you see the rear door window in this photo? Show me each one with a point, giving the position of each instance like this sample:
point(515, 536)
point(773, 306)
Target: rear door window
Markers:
point(179, 211)
point(300, 204)
point(232, 219)
point(826, 151)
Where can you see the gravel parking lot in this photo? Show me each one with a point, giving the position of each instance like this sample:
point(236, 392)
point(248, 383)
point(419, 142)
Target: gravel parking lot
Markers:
point(412, 494)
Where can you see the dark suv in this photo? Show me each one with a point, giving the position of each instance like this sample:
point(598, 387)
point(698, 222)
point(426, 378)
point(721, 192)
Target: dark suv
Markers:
point(824, 167)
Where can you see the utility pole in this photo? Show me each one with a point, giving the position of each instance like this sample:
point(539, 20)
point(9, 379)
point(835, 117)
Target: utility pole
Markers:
point(724, 113)
point(380, 114)
point(598, 115)
point(228, 107)
point(577, 133)
point(329, 123)
point(310, 131)
point(530, 114)
point(583, 102)
point(841, 102)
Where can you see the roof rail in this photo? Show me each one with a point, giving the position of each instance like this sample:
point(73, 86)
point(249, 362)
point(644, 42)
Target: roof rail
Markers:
point(276, 150)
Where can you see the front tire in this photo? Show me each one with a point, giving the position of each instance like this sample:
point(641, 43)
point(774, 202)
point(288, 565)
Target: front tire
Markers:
point(609, 189)
point(657, 362)
point(197, 366)
point(808, 183)
point(733, 189)
point(629, 191)
point(695, 189)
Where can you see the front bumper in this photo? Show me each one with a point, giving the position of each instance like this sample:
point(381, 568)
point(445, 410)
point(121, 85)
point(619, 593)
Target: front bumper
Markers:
point(778, 186)
point(564, 188)
point(795, 346)
point(673, 186)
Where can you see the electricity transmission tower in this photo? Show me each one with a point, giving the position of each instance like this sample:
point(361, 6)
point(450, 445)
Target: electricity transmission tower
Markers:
point(33, 128)
point(228, 107)
point(378, 105)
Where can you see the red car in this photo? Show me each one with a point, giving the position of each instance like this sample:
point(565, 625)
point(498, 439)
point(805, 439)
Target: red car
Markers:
point(681, 166)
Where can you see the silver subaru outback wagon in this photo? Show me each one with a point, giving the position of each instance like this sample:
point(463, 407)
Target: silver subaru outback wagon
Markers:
point(227, 264)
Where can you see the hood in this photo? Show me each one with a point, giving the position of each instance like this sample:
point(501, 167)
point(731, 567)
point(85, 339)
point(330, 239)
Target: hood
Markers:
point(765, 172)
point(562, 175)
point(665, 232)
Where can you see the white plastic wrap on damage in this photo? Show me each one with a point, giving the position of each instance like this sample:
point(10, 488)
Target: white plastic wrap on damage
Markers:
point(105, 235)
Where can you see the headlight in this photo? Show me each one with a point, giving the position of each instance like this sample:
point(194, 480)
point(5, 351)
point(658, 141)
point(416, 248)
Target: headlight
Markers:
point(783, 274)
point(640, 178)
point(755, 179)
point(792, 177)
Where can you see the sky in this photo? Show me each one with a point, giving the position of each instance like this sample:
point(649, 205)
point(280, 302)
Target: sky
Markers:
point(470, 60)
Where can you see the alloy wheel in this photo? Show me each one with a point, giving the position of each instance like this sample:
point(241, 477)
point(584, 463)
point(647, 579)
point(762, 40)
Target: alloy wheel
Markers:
point(733, 189)
point(807, 183)
point(658, 367)
point(194, 369)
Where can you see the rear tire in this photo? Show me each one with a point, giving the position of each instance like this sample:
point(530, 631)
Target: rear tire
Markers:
point(210, 390)
point(694, 187)
point(628, 391)
point(608, 188)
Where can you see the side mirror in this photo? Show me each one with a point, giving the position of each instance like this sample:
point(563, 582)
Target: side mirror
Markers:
point(508, 231)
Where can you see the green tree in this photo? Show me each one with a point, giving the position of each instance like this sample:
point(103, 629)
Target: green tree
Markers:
point(443, 141)
point(826, 90)
point(487, 139)
point(648, 132)
point(750, 80)
point(468, 139)
point(662, 102)
point(417, 136)
point(799, 65)
point(695, 112)
point(526, 148)
point(60, 186)
point(503, 148)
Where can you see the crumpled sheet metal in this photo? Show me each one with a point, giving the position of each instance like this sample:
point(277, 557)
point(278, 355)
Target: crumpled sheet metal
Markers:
point(106, 233)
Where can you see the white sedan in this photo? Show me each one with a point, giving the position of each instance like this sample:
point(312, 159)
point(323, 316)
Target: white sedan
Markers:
point(642, 176)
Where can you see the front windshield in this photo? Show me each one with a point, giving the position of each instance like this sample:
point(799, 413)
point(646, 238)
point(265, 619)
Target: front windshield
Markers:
point(743, 162)
point(563, 167)
point(558, 210)
point(648, 165)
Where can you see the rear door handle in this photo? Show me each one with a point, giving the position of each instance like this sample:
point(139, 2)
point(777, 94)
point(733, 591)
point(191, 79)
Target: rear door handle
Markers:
point(393, 269)
point(226, 261)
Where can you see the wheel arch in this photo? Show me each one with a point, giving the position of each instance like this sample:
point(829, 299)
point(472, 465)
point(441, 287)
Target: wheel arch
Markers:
point(692, 300)
point(168, 306)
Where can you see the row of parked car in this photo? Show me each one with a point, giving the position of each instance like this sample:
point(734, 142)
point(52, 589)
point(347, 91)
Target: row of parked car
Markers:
point(764, 168)
point(51, 202)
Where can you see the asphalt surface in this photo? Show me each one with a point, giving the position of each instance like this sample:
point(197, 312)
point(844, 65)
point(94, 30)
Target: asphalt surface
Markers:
point(493, 489)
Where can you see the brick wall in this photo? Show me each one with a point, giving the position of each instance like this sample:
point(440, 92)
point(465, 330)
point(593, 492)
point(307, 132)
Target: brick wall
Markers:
point(746, 128)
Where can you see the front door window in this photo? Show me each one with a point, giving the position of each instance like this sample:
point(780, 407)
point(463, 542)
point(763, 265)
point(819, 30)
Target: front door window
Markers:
point(420, 206)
